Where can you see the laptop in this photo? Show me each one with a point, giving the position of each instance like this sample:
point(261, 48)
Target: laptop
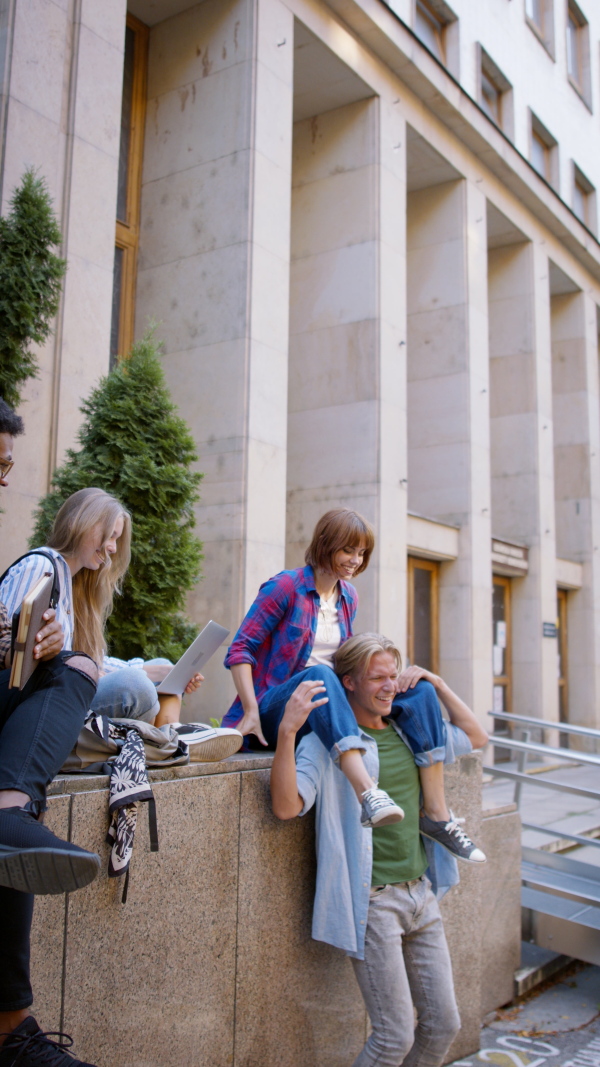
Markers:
point(193, 660)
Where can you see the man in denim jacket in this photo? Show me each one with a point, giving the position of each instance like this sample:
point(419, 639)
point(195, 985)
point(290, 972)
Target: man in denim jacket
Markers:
point(373, 896)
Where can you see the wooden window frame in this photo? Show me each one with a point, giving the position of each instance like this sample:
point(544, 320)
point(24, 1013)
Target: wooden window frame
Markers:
point(505, 680)
point(128, 230)
point(563, 680)
point(417, 563)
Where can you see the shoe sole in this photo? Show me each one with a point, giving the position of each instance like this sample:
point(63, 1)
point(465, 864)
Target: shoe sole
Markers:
point(385, 820)
point(47, 871)
point(463, 859)
point(215, 749)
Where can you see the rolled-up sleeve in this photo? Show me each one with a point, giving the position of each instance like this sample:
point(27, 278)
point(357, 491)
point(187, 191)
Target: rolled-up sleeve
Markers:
point(308, 774)
point(263, 616)
point(457, 742)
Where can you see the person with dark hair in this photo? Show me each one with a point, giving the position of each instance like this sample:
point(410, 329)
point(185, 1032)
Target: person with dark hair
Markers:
point(291, 634)
point(38, 728)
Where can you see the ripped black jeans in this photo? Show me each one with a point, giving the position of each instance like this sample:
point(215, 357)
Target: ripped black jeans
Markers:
point(38, 728)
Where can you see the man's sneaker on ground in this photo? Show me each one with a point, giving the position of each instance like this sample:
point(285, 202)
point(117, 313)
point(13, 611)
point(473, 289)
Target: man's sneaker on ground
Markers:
point(27, 1046)
point(378, 809)
point(34, 860)
point(208, 744)
point(452, 838)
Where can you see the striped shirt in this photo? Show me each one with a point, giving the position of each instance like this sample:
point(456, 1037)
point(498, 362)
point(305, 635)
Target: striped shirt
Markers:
point(5, 635)
point(20, 579)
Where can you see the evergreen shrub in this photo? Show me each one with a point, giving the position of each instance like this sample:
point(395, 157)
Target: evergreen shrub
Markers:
point(30, 282)
point(134, 445)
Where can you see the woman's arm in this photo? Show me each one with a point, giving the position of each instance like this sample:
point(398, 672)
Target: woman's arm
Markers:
point(243, 681)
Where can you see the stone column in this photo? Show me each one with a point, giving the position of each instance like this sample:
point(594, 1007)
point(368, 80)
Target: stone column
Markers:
point(214, 271)
point(59, 121)
point(448, 425)
point(522, 462)
point(577, 484)
point(346, 443)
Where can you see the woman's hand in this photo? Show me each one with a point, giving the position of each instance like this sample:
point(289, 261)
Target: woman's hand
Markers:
point(50, 639)
point(408, 678)
point(194, 683)
point(301, 703)
point(250, 724)
point(157, 672)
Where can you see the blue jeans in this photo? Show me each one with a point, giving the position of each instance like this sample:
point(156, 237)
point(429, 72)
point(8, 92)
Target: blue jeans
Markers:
point(126, 694)
point(417, 713)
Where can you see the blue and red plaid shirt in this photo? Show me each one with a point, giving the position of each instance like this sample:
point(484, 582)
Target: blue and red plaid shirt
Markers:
point(278, 633)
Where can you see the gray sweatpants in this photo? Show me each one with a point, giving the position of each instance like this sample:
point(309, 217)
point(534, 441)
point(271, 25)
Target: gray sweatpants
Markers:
point(406, 964)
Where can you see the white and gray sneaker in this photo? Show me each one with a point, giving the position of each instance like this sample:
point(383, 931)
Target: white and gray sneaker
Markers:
point(450, 836)
point(208, 744)
point(378, 809)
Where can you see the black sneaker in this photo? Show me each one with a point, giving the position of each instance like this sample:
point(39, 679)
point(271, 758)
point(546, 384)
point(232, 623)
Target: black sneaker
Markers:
point(34, 860)
point(27, 1046)
point(450, 836)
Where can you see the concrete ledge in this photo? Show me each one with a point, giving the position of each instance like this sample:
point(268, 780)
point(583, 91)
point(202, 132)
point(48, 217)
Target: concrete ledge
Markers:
point(210, 963)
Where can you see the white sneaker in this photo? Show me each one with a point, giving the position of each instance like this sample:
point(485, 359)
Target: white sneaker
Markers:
point(208, 744)
point(378, 808)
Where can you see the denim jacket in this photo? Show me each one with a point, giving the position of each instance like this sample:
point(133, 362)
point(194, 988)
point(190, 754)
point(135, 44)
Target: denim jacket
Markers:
point(345, 849)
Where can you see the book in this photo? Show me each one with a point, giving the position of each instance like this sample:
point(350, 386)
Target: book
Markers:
point(29, 623)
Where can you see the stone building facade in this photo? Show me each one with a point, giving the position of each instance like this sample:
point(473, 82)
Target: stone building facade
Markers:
point(368, 233)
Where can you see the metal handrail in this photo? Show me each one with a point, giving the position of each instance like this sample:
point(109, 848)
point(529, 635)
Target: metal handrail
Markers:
point(542, 783)
point(545, 750)
point(562, 727)
point(578, 838)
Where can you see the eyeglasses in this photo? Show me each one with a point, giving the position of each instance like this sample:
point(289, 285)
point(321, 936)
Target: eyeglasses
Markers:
point(6, 465)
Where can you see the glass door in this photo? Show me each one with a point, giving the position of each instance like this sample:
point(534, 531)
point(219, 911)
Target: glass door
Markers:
point(422, 636)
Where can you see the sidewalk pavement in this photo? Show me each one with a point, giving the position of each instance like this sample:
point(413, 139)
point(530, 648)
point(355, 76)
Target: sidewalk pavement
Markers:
point(555, 1026)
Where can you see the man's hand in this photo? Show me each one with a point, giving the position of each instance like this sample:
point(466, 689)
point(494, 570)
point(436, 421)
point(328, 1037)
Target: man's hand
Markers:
point(194, 683)
point(250, 724)
point(408, 678)
point(301, 703)
point(50, 639)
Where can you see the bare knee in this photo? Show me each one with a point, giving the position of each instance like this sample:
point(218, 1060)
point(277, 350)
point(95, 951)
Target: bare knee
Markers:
point(84, 665)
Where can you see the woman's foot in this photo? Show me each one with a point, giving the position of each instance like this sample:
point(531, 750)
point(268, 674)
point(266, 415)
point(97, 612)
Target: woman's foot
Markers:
point(450, 836)
point(378, 809)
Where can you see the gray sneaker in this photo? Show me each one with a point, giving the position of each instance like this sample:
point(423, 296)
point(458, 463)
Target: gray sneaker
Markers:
point(378, 809)
point(450, 836)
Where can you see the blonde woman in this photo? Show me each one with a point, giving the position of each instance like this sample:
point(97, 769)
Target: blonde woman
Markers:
point(90, 543)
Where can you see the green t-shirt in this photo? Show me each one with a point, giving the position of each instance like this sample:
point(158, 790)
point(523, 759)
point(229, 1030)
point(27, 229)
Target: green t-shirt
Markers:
point(398, 852)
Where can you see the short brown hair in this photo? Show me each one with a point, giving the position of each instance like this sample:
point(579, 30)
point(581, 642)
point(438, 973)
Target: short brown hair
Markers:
point(355, 654)
point(336, 529)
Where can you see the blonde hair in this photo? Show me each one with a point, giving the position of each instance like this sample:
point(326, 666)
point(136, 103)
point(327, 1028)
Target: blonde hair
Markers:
point(336, 529)
point(354, 656)
point(93, 591)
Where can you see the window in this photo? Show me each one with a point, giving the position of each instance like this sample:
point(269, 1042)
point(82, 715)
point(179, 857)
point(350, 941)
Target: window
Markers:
point(563, 692)
point(584, 198)
point(543, 154)
point(133, 110)
point(422, 631)
point(437, 26)
point(578, 52)
point(430, 28)
point(540, 18)
point(495, 93)
point(501, 655)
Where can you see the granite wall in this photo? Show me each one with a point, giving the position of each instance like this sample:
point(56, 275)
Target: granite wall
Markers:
point(210, 962)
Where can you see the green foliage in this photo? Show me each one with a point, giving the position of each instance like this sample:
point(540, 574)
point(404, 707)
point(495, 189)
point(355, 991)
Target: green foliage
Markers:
point(136, 447)
point(30, 282)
